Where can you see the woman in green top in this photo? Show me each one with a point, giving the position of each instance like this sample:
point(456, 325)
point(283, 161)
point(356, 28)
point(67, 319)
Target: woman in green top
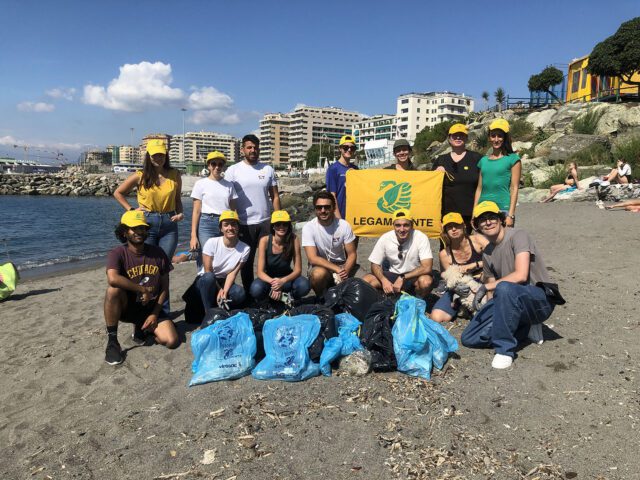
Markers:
point(500, 172)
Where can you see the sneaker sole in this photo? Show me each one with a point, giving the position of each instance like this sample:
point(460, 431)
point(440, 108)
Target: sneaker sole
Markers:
point(114, 363)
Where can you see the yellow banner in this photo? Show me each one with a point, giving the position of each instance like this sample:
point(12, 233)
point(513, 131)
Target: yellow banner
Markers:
point(373, 196)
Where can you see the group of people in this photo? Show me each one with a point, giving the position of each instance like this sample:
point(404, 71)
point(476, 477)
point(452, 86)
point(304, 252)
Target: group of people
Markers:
point(238, 216)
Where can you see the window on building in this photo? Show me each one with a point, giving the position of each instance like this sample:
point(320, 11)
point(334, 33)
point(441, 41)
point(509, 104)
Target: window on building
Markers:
point(418, 110)
point(575, 81)
point(585, 74)
point(404, 110)
point(404, 100)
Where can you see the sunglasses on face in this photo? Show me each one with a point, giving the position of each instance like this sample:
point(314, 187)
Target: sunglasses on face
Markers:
point(324, 207)
point(216, 164)
point(488, 219)
point(345, 148)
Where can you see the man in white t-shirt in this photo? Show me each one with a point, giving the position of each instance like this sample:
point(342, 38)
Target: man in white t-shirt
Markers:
point(257, 188)
point(401, 260)
point(223, 257)
point(329, 244)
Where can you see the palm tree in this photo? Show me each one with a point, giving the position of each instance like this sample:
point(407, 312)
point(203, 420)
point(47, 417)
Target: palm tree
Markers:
point(500, 97)
point(485, 97)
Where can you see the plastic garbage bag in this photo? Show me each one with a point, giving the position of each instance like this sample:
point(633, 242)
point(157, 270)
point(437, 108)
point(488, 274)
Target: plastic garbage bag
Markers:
point(418, 342)
point(327, 326)
point(286, 344)
point(213, 316)
point(376, 336)
point(10, 278)
point(258, 316)
point(330, 353)
point(354, 296)
point(223, 351)
point(348, 327)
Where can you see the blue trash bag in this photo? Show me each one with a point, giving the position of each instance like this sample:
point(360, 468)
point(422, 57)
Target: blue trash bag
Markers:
point(348, 328)
point(286, 343)
point(330, 352)
point(223, 351)
point(418, 342)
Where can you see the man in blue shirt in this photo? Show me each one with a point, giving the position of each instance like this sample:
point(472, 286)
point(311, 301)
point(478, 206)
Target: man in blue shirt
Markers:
point(337, 171)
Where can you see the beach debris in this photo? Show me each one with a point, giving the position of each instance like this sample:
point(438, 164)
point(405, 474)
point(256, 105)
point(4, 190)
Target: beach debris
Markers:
point(216, 413)
point(209, 457)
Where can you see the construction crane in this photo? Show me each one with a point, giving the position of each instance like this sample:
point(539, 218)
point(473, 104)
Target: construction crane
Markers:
point(56, 156)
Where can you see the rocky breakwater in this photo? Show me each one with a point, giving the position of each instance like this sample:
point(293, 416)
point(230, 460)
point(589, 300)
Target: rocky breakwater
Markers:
point(68, 183)
point(296, 195)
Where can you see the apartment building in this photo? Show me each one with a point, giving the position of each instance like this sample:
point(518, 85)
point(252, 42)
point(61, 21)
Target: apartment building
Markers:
point(378, 127)
point(197, 145)
point(127, 154)
point(152, 136)
point(312, 125)
point(274, 138)
point(416, 111)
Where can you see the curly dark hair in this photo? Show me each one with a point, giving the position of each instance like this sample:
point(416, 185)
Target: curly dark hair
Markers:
point(120, 232)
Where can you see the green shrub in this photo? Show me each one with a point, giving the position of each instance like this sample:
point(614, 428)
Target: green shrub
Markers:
point(587, 122)
point(558, 175)
point(629, 151)
point(528, 180)
point(540, 136)
point(481, 142)
point(596, 154)
point(521, 130)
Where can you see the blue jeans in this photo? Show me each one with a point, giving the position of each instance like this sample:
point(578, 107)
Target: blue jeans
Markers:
point(444, 304)
point(299, 288)
point(507, 317)
point(208, 227)
point(208, 286)
point(163, 233)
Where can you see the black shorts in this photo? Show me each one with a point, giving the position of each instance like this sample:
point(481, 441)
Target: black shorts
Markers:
point(136, 312)
point(407, 286)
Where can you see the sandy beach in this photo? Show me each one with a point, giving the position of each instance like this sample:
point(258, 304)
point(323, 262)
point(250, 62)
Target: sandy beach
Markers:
point(567, 409)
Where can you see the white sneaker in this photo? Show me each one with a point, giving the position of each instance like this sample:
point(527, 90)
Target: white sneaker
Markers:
point(600, 204)
point(501, 361)
point(535, 334)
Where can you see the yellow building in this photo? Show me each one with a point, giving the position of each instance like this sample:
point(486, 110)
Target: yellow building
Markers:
point(585, 87)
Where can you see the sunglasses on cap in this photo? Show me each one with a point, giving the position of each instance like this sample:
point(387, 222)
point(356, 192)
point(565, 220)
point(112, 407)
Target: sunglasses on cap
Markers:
point(347, 148)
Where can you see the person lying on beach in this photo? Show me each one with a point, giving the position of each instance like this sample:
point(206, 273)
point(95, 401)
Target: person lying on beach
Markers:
point(513, 274)
point(138, 279)
point(570, 183)
point(628, 205)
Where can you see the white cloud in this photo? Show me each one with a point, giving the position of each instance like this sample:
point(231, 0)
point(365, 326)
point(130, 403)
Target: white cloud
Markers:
point(64, 93)
point(137, 88)
point(214, 117)
point(38, 107)
point(9, 140)
point(15, 142)
point(208, 98)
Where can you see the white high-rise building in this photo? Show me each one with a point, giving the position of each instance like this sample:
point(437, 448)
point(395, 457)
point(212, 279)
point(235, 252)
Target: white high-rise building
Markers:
point(378, 127)
point(198, 144)
point(416, 111)
point(312, 125)
point(274, 138)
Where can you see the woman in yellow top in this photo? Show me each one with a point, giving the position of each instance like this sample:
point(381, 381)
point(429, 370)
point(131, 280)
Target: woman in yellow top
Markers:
point(159, 189)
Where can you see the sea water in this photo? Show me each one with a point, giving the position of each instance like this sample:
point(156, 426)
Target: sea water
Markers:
point(48, 233)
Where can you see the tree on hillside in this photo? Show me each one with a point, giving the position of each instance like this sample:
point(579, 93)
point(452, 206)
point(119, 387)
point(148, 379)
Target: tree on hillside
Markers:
point(618, 55)
point(313, 154)
point(545, 81)
point(485, 97)
point(500, 97)
point(428, 135)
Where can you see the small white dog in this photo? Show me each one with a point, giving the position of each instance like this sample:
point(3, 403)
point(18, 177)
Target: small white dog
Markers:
point(455, 279)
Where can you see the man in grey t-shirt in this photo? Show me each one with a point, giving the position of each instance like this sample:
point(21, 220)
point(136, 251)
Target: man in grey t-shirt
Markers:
point(512, 267)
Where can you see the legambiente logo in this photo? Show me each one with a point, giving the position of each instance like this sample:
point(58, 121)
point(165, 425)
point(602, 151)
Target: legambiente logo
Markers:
point(395, 196)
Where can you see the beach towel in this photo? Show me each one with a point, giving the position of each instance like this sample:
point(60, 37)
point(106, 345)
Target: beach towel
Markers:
point(10, 278)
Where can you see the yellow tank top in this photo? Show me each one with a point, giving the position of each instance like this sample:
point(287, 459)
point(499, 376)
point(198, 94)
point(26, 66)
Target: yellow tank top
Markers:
point(161, 199)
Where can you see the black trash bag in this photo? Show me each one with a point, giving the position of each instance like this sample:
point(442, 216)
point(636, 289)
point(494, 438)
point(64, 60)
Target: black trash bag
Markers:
point(376, 337)
point(193, 309)
point(213, 316)
point(354, 296)
point(258, 316)
point(327, 326)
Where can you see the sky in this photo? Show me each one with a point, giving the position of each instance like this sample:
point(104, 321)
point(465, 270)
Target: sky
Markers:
point(77, 75)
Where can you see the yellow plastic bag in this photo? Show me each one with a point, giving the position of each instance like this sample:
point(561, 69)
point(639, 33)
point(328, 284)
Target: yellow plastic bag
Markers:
point(10, 278)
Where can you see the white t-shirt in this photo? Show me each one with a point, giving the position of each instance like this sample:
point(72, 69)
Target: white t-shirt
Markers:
point(252, 184)
point(414, 249)
point(224, 259)
point(625, 170)
point(214, 194)
point(329, 241)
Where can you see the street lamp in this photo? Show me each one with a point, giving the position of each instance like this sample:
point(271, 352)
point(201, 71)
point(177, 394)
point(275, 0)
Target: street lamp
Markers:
point(325, 138)
point(183, 139)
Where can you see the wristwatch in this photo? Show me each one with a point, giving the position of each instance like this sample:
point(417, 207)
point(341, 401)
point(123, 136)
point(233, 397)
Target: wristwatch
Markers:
point(512, 217)
point(401, 276)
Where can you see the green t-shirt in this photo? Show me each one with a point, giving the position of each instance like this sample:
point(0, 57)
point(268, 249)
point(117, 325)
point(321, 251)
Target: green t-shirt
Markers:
point(496, 179)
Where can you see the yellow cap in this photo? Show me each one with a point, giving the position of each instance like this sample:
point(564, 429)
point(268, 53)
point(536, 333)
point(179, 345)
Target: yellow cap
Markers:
point(402, 214)
point(280, 216)
point(458, 128)
point(156, 146)
point(229, 215)
point(452, 217)
point(484, 207)
point(347, 139)
point(500, 124)
point(214, 156)
point(134, 218)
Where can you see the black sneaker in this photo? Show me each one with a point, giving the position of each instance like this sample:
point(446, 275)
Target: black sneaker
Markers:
point(113, 354)
point(139, 336)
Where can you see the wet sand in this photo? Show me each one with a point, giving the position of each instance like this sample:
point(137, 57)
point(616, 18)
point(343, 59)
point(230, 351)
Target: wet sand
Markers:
point(567, 409)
